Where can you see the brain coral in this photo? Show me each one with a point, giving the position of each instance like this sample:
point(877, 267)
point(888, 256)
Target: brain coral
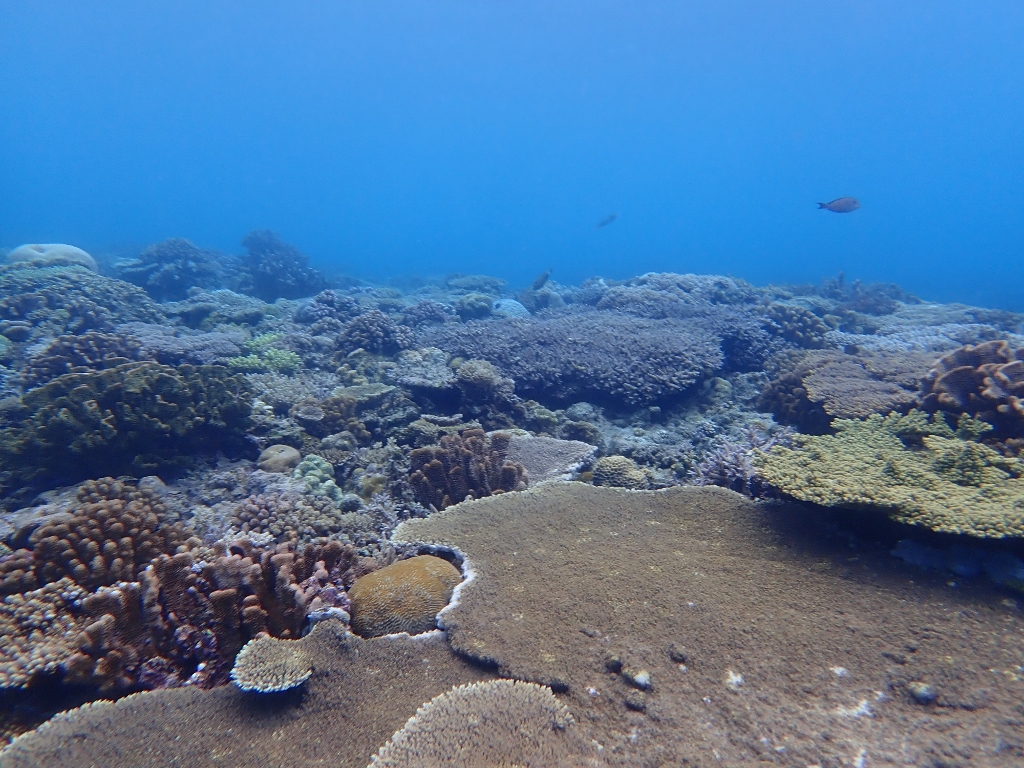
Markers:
point(620, 472)
point(404, 597)
point(133, 418)
point(498, 722)
point(947, 484)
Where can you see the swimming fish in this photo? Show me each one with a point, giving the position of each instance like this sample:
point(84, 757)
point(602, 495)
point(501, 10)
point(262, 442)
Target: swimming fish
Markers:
point(607, 220)
point(841, 205)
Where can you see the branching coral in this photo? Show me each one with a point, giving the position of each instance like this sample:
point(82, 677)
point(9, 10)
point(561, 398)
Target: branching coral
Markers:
point(279, 270)
point(168, 269)
point(132, 418)
point(467, 465)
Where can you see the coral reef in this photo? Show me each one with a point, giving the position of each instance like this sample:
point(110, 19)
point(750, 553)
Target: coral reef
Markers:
point(470, 464)
point(279, 270)
point(499, 721)
point(54, 300)
point(606, 355)
point(174, 346)
point(269, 665)
point(985, 381)
point(949, 483)
point(548, 458)
point(403, 597)
point(168, 269)
point(134, 417)
point(667, 610)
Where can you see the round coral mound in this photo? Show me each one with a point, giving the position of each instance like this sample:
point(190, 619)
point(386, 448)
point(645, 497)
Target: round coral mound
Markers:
point(404, 597)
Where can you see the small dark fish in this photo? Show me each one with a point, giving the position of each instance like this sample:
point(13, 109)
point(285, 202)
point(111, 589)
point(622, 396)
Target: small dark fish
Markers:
point(841, 205)
point(541, 280)
point(607, 220)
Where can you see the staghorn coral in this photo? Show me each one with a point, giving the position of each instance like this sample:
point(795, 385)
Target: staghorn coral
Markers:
point(135, 417)
point(797, 325)
point(606, 355)
point(949, 483)
point(505, 722)
point(109, 535)
point(470, 464)
point(985, 381)
point(55, 300)
point(279, 270)
point(731, 462)
point(403, 597)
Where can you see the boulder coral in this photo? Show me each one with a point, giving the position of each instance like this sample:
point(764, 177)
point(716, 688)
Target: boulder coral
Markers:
point(403, 597)
point(915, 469)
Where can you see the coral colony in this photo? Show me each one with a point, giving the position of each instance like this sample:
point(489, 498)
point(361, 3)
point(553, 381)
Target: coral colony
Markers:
point(563, 525)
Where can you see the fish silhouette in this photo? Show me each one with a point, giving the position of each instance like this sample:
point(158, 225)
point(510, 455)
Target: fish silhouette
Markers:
point(841, 205)
point(607, 220)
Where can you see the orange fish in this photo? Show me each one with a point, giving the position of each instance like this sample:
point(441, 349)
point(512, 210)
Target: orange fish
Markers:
point(841, 205)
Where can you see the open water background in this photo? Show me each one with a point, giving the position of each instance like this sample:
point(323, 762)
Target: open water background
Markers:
point(395, 138)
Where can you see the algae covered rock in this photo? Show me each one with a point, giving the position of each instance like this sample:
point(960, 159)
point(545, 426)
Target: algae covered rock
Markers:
point(916, 469)
point(403, 597)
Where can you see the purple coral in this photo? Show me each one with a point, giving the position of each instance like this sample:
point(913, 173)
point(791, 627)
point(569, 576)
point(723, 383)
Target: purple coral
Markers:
point(729, 464)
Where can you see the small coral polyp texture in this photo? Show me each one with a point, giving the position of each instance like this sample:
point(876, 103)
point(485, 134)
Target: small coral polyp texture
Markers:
point(916, 469)
point(404, 597)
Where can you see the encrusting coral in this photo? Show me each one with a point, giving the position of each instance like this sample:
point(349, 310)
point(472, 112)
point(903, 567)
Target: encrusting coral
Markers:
point(470, 464)
point(403, 597)
point(498, 722)
point(915, 469)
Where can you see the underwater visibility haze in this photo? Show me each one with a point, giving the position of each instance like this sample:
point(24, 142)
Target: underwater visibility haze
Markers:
point(575, 384)
point(423, 138)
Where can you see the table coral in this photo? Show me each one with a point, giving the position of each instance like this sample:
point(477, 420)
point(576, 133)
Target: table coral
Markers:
point(505, 722)
point(947, 484)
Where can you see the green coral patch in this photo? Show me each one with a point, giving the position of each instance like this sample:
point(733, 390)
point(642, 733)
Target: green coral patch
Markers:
point(918, 470)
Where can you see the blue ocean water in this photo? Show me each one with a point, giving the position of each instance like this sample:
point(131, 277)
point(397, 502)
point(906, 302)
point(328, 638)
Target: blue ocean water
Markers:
point(399, 138)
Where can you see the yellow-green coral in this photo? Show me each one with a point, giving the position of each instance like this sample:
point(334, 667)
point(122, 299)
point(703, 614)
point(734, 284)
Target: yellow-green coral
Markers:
point(931, 477)
point(262, 356)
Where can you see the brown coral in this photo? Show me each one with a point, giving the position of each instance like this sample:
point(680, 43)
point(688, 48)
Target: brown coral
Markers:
point(404, 597)
point(985, 381)
point(468, 465)
point(110, 536)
